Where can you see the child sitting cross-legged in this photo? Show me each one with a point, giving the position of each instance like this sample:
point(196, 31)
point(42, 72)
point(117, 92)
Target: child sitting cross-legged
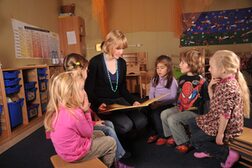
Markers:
point(162, 83)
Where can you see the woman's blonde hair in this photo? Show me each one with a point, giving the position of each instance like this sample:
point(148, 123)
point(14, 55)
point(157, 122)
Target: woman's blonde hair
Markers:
point(229, 62)
point(195, 60)
point(114, 39)
point(64, 91)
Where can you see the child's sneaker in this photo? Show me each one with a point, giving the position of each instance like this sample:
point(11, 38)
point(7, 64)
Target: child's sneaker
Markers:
point(184, 148)
point(161, 141)
point(152, 138)
point(201, 155)
point(170, 141)
point(233, 157)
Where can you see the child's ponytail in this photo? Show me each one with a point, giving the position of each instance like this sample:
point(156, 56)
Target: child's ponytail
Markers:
point(245, 93)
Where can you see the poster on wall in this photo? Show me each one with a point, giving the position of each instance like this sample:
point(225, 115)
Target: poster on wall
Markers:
point(217, 27)
point(34, 42)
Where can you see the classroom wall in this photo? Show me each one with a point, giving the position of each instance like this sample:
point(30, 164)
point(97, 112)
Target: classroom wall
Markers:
point(41, 13)
point(155, 39)
point(143, 23)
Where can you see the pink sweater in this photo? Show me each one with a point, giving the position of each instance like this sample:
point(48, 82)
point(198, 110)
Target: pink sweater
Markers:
point(72, 135)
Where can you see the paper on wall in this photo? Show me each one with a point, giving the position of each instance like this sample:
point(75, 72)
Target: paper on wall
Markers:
point(71, 37)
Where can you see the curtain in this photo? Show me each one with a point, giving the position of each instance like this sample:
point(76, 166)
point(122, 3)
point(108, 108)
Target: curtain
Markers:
point(99, 11)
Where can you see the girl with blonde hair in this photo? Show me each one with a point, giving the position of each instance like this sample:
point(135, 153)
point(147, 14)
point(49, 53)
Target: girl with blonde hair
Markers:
point(229, 102)
point(69, 125)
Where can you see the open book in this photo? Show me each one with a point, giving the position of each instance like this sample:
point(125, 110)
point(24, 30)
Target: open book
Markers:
point(114, 107)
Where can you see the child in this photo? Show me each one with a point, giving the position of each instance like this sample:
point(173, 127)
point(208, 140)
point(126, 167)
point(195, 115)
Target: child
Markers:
point(69, 124)
point(162, 83)
point(229, 99)
point(192, 97)
point(78, 62)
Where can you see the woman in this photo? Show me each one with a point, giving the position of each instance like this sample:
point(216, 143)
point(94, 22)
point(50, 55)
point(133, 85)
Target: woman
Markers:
point(106, 84)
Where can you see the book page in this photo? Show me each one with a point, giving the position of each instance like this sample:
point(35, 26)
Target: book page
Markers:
point(114, 107)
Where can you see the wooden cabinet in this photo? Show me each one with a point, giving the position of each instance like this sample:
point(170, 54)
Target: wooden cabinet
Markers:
point(23, 100)
point(72, 35)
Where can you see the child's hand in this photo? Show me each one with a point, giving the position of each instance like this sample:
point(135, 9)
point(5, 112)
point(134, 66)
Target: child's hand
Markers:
point(102, 107)
point(136, 103)
point(86, 103)
point(219, 139)
point(99, 123)
point(213, 82)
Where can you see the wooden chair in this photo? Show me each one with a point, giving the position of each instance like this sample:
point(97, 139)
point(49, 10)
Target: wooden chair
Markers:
point(93, 163)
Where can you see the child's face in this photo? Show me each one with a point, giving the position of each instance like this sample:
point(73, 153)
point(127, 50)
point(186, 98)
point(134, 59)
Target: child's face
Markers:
point(84, 73)
point(184, 68)
point(213, 69)
point(161, 69)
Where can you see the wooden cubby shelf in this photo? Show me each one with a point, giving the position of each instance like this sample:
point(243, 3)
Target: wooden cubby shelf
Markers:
point(21, 101)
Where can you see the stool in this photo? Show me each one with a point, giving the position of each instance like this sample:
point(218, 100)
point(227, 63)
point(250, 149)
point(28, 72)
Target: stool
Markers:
point(93, 163)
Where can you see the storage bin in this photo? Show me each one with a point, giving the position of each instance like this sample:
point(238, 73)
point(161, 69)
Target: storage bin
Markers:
point(15, 112)
point(11, 74)
point(11, 82)
point(29, 85)
point(32, 110)
point(43, 97)
point(42, 77)
point(41, 71)
point(30, 94)
point(13, 89)
point(43, 106)
point(43, 85)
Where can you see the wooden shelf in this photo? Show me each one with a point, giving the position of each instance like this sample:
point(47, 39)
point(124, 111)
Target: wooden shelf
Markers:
point(21, 100)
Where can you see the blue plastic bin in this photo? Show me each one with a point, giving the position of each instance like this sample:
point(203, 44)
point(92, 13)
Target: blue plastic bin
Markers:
point(43, 106)
point(32, 110)
point(42, 77)
point(15, 112)
point(11, 82)
point(43, 85)
point(29, 85)
point(11, 90)
point(42, 71)
point(30, 94)
point(11, 74)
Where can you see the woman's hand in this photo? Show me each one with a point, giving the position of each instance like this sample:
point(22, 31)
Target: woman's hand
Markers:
point(219, 139)
point(102, 107)
point(136, 103)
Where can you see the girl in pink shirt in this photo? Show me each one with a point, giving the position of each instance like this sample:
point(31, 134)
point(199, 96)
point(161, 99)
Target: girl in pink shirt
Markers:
point(69, 123)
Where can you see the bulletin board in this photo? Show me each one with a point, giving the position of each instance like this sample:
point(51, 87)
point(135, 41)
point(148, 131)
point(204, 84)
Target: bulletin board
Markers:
point(34, 42)
point(217, 27)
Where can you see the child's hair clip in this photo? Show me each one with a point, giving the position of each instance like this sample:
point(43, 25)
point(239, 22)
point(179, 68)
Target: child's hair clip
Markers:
point(77, 63)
